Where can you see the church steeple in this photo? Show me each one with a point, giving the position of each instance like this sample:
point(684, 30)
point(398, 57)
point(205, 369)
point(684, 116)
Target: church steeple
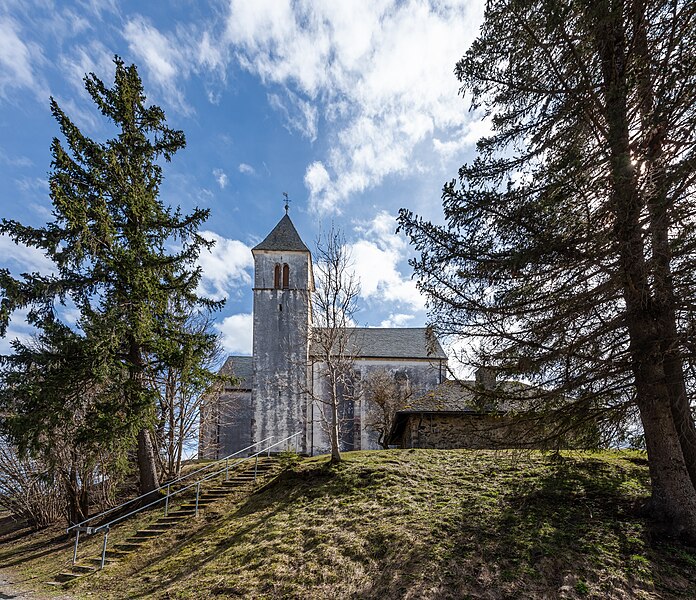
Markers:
point(283, 284)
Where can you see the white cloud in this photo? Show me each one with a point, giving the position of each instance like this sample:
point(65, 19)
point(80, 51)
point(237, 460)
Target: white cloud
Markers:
point(317, 181)
point(165, 58)
point(15, 161)
point(19, 62)
point(397, 320)
point(462, 138)
point(381, 70)
point(97, 7)
point(299, 115)
point(88, 58)
point(246, 169)
point(377, 259)
point(226, 267)
point(236, 333)
point(18, 329)
point(221, 178)
point(25, 258)
point(211, 55)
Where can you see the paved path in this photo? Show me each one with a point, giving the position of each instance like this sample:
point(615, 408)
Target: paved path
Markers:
point(12, 588)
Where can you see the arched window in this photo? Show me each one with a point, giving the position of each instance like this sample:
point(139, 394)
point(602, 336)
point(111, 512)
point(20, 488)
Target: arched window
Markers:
point(276, 277)
point(286, 276)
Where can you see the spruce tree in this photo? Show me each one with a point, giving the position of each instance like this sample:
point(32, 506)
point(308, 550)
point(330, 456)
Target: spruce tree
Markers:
point(569, 241)
point(111, 241)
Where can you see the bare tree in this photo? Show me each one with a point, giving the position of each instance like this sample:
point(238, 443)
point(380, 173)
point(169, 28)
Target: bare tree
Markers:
point(333, 306)
point(182, 385)
point(386, 393)
point(28, 490)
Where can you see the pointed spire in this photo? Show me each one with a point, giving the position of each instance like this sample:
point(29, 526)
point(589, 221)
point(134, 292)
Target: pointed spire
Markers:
point(283, 237)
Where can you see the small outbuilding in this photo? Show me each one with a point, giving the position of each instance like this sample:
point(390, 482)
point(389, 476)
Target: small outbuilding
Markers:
point(477, 414)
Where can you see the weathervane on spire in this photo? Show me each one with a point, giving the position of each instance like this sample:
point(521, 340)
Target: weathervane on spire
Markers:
point(287, 202)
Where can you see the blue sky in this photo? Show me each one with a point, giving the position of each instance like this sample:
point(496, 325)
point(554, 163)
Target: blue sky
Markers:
point(350, 106)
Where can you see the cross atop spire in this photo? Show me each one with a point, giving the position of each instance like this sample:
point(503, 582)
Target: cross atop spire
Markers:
point(287, 202)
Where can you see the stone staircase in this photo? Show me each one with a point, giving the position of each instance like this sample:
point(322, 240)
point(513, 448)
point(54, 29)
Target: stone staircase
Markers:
point(242, 480)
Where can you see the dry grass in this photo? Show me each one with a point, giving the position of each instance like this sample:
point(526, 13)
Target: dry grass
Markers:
point(416, 524)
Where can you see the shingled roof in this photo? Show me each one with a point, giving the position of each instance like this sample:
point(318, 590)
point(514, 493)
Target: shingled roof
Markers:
point(283, 237)
point(469, 397)
point(240, 367)
point(391, 342)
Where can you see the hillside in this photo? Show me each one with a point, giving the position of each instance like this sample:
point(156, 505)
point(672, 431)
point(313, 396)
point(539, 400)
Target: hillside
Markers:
point(413, 524)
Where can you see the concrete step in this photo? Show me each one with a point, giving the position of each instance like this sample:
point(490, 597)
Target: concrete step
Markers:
point(172, 520)
point(162, 526)
point(82, 569)
point(97, 561)
point(146, 533)
point(128, 546)
point(66, 576)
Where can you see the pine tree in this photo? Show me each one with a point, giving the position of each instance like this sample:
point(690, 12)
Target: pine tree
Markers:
point(569, 244)
point(111, 243)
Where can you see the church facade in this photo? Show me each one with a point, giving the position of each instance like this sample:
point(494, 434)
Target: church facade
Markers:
point(279, 390)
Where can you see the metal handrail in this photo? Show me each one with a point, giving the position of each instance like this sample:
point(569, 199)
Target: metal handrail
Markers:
point(106, 526)
point(165, 485)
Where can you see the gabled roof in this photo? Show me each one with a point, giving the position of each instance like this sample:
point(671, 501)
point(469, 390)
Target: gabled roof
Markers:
point(240, 367)
point(468, 396)
point(283, 237)
point(391, 342)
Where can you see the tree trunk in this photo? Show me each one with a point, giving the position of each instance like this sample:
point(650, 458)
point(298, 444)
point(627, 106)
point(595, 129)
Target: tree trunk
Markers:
point(681, 411)
point(673, 499)
point(673, 494)
point(146, 462)
point(657, 199)
point(170, 394)
point(335, 449)
point(77, 497)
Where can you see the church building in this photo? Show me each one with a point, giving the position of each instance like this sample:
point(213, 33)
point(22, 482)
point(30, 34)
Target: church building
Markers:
point(278, 391)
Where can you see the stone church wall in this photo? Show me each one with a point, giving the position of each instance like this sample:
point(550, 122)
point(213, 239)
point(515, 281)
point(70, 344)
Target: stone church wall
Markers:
point(421, 374)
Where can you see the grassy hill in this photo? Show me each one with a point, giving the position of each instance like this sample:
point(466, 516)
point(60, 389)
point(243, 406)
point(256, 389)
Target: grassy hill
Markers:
point(411, 524)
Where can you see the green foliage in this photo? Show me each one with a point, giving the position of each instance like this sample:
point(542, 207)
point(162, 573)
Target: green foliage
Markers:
point(582, 588)
point(567, 249)
point(111, 242)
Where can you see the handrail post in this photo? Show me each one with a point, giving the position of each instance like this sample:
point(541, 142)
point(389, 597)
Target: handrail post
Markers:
point(166, 501)
point(256, 466)
point(103, 557)
point(77, 541)
point(227, 469)
point(198, 493)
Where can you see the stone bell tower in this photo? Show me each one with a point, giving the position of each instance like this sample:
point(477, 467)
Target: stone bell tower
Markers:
point(283, 284)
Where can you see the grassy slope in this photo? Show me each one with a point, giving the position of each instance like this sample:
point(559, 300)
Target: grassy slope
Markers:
point(421, 524)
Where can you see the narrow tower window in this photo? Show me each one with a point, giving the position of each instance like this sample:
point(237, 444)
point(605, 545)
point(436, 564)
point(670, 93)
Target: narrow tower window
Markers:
point(286, 276)
point(276, 277)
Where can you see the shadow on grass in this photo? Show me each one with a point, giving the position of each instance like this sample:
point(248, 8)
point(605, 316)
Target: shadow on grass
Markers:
point(12, 554)
point(274, 498)
point(561, 522)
